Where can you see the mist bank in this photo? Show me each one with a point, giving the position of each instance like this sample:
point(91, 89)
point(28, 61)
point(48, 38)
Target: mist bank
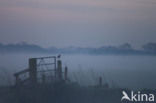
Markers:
point(124, 49)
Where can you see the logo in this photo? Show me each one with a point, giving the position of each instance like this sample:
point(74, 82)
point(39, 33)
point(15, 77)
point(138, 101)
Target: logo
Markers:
point(134, 97)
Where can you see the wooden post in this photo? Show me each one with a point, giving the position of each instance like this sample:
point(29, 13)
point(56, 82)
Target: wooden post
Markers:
point(100, 81)
point(33, 70)
point(59, 69)
point(65, 73)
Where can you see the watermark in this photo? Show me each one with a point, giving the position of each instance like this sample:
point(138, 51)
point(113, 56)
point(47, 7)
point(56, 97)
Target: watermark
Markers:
point(137, 96)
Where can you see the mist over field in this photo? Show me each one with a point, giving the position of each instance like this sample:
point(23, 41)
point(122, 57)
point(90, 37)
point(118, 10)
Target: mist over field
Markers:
point(107, 48)
point(134, 72)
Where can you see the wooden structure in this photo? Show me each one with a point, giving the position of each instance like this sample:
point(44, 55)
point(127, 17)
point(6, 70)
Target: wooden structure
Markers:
point(34, 74)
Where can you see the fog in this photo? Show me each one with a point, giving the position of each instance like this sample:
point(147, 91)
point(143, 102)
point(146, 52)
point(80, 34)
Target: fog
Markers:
point(135, 72)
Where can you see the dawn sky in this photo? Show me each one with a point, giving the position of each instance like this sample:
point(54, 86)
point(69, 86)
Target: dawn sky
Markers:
point(92, 23)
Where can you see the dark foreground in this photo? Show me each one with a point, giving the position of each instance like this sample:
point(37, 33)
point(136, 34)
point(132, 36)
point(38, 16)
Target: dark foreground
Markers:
point(62, 93)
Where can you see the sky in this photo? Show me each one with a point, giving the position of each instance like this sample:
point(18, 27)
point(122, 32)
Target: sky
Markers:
point(83, 23)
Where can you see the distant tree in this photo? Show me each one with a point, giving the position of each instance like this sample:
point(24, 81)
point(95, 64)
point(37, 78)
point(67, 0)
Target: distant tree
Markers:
point(125, 46)
point(150, 47)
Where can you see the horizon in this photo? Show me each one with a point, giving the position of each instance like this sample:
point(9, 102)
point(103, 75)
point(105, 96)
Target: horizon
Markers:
point(70, 46)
